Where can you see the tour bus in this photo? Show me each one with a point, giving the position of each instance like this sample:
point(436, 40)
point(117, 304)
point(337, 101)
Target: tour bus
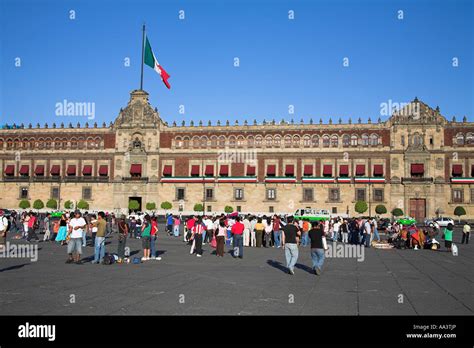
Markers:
point(312, 214)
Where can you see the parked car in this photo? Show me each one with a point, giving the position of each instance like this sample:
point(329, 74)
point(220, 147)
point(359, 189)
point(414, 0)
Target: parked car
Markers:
point(442, 222)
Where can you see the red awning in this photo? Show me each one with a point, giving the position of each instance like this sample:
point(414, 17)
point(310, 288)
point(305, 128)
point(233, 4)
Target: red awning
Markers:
point(209, 170)
point(378, 170)
point(344, 170)
point(195, 170)
point(308, 170)
point(250, 170)
point(360, 169)
point(25, 169)
point(71, 170)
point(167, 170)
point(55, 169)
point(224, 170)
point(327, 170)
point(39, 170)
point(417, 168)
point(457, 169)
point(136, 169)
point(87, 170)
point(290, 170)
point(271, 169)
point(10, 170)
point(104, 170)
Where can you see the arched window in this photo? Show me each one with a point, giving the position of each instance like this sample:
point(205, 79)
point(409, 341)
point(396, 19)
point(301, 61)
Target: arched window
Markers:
point(334, 141)
point(186, 142)
point(315, 141)
point(346, 140)
point(258, 141)
point(203, 142)
point(195, 142)
point(250, 141)
point(232, 141)
point(9, 144)
point(365, 140)
point(374, 140)
point(222, 141)
point(354, 140)
point(459, 139)
point(287, 140)
point(326, 141)
point(417, 140)
point(296, 141)
point(213, 141)
point(240, 141)
point(268, 141)
point(178, 142)
point(306, 141)
point(277, 141)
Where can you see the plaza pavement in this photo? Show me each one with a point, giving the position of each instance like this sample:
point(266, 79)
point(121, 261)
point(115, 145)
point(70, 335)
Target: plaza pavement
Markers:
point(431, 283)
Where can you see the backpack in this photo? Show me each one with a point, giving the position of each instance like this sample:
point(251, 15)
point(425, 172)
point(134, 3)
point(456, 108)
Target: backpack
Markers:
point(108, 259)
point(136, 260)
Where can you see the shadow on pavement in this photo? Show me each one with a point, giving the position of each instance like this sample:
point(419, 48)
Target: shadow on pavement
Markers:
point(13, 267)
point(278, 265)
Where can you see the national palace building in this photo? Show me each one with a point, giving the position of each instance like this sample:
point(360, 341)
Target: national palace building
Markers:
point(417, 161)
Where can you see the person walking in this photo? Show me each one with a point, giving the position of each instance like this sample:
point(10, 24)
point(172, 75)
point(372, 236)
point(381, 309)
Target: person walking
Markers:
point(32, 225)
point(220, 238)
point(247, 227)
point(176, 223)
point(316, 235)
point(99, 246)
point(367, 232)
point(122, 238)
point(466, 231)
point(290, 244)
point(276, 231)
point(197, 234)
point(169, 224)
point(153, 234)
point(448, 237)
point(305, 227)
point(259, 229)
point(237, 231)
point(74, 245)
point(344, 231)
point(375, 231)
point(146, 237)
point(47, 228)
point(267, 237)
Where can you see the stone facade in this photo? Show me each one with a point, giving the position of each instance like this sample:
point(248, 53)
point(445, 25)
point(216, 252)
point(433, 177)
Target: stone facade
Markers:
point(417, 161)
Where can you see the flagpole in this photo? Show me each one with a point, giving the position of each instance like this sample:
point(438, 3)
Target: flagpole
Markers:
point(143, 50)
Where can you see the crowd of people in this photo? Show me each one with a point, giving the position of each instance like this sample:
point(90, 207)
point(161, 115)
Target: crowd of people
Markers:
point(232, 230)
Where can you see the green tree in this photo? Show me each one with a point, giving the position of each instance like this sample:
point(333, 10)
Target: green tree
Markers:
point(52, 204)
point(24, 204)
point(397, 212)
point(459, 211)
point(361, 207)
point(38, 204)
point(68, 204)
point(228, 209)
point(151, 206)
point(82, 204)
point(380, 209)
point(133, 205)
point(166, 205)
point(198, 207)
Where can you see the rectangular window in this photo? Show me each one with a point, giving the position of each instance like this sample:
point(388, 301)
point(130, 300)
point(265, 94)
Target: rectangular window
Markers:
point(209, 208)
point(378, 195)
point(87, 193)
point(239, 194)
point(55, 193)
point(23, 192)
point(403, 140)
point(271, 194)
point(270, 209)
point(209, 193)
point(239, 208)
point(334, 210)
point(308, 195)
point(333, 195)
point(458, 196)
point(360, 195)
point(180, 194)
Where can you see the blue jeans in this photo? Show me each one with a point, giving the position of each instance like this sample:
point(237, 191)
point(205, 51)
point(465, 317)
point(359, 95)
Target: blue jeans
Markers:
point(276, 236)
point(317, 255)
point(84, 238)
point(238, 244)
point(291, 255)
point(335, 235)
point(99, 251)
point(376, 235)
point(153, 246)
point(366, 240)
point(304, 239)
point(204, 236)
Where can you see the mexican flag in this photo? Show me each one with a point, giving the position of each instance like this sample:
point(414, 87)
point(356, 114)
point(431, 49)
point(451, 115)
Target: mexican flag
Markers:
point(151, 61)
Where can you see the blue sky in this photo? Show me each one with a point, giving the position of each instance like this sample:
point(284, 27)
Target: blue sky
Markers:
point(282, 62)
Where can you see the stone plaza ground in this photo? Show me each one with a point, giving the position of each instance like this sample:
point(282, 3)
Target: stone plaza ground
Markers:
point(387, 282)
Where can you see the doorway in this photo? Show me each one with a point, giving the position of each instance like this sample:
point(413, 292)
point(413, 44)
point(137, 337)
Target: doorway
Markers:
point(418, 209)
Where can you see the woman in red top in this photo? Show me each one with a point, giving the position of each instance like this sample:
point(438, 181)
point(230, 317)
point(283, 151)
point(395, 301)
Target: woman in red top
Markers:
point(153, 234)
point(197, 232)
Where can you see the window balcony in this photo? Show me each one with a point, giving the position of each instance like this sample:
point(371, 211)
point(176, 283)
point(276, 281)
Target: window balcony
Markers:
point(417, 180)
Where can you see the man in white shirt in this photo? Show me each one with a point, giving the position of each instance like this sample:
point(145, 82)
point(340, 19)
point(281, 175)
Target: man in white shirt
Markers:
point(74, 245)
point(367, 233)
point(3, 228)
point(247, 227)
